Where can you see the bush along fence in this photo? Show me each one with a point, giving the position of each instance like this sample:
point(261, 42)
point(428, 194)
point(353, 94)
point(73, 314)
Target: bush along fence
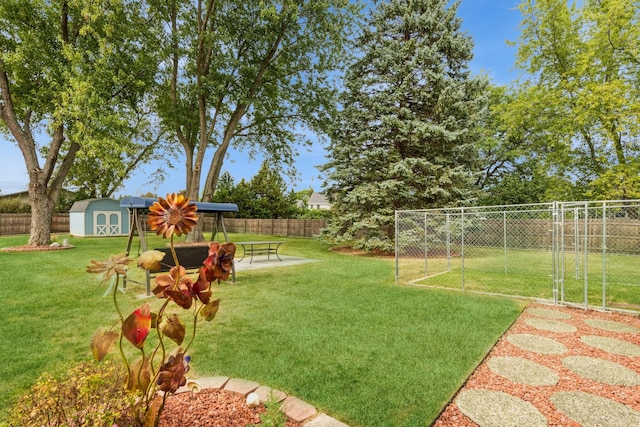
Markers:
point(575, 253)
point(11, 224)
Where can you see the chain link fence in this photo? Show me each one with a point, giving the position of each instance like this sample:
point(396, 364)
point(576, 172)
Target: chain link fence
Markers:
point(575, 253)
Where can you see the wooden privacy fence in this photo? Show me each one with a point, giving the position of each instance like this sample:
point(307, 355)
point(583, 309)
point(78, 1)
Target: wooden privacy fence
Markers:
point(275, 227)
point(21, 224)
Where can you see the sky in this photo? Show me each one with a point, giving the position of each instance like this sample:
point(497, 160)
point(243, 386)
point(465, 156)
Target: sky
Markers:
point(490, 23)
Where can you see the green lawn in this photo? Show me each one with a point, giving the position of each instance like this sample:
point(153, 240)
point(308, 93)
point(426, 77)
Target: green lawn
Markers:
point(336, 333)
point(529, 273)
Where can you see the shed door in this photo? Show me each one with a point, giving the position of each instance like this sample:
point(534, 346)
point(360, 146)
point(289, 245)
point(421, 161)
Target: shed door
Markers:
point(107, 224)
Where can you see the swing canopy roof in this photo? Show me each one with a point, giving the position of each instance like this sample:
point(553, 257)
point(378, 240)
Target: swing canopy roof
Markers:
point(204, 207)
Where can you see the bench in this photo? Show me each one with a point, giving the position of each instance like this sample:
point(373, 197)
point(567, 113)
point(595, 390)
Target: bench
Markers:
point(259, 248)
point(190, 257)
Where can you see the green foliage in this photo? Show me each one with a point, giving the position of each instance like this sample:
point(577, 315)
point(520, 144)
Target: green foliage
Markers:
point(254, 75)
point(87, 395)
point(100, 172)
point(510, 175)
point(618, 183)
point(517, 187)
point(74, 73)
point(578, 105)
point(313, 323)
point(264, 196)
point(270, 199)
point(406, 136)
point(273, 417)
point(14, 205)
point(305, 213)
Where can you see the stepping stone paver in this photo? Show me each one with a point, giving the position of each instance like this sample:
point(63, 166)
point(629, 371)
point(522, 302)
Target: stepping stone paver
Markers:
point(612, 345)
point(213, 382)
point(523, 371)
point(489, 408)
point(601, 370)
point(323, 420)
point(244, 387)
point(550, 325)
point(610, 325)
point(548, 313)
point(594, 411)
point(537, 344)
point(298, 410)
point(206, 382)
point(266, 393)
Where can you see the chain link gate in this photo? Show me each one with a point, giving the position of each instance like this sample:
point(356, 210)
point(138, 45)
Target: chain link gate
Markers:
point(574, 253)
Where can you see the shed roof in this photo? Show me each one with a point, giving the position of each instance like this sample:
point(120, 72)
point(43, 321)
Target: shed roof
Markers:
point(82, 205)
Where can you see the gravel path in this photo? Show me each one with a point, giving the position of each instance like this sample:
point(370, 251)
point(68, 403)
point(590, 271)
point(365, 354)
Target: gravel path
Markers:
point(555, 366)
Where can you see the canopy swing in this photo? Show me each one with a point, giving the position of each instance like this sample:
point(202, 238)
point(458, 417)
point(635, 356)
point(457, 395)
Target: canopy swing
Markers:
point(138, 206)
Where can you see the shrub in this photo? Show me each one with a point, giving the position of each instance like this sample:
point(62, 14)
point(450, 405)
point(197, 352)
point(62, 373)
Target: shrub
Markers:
point(89, 394)
point(314, 214)
point(14, 205)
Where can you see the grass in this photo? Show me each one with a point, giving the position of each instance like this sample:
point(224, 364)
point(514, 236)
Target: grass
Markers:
point(529, 273)
point(336, 333)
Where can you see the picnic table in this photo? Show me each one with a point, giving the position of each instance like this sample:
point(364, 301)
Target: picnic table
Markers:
point(259, 248)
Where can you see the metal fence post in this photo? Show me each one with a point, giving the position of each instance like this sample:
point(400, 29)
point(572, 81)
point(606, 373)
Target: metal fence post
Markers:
point(554, 251)
point(586, 255)
point(448, 220)
point(504, 238)
point(604, 255)
point(426, 247)
point(462, 243)
point(397, 247)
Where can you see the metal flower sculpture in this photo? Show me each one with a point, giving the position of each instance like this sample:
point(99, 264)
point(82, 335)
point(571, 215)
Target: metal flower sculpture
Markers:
point(172, 373)
point(157, 371)
point(173, 215)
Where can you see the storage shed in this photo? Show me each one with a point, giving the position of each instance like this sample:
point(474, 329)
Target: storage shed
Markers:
point(98, 217)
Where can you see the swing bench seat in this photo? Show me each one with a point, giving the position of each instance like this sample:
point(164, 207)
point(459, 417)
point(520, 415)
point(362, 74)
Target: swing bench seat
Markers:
point(190, 257)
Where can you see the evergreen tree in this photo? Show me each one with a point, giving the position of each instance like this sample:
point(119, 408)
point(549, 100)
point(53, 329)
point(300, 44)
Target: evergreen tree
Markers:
point(271, 199)
point(243, 196)
point(264, 196)
point(224, 189)
point(406, 136)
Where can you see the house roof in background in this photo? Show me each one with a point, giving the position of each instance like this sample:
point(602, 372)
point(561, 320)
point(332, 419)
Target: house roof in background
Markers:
point(18, 194)
point(317, 199)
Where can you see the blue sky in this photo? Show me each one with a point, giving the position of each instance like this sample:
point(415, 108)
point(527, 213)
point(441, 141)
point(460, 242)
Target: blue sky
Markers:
point(489, 22)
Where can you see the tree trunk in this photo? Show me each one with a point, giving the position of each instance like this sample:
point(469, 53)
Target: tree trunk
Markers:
point(41, 215)
point(197, 233)
point(45, 182)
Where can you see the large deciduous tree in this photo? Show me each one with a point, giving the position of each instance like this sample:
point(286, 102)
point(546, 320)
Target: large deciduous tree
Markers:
point(101, 169)
point(249, 74)
point(70, 70)
point(406, 136)
point(580, 96)
point(511, 171)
